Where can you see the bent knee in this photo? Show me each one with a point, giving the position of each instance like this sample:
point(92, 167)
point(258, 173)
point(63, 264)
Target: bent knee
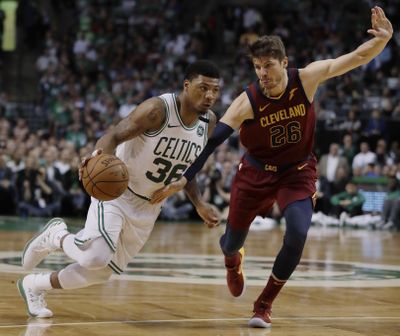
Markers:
point(94, 262)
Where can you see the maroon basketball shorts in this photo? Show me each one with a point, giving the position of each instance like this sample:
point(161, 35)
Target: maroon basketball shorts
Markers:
point(254, 191)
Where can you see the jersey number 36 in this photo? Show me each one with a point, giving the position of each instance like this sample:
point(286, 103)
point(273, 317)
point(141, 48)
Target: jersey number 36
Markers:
point(166, 172)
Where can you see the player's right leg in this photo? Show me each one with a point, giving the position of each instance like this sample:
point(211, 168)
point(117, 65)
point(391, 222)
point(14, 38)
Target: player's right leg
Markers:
point(298, 220)
point(45, 242)
point(232, 246)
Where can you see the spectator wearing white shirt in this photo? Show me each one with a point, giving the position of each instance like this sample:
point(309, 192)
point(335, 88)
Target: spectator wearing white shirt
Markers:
point(251, 18)
point(364, 157)
point(81, 45)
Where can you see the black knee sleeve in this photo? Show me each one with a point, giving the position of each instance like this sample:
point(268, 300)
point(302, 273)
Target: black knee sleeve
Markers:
point(232, 240)
point(298, 220)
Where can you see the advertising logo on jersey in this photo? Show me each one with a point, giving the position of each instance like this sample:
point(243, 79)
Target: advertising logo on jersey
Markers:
point(200, 130)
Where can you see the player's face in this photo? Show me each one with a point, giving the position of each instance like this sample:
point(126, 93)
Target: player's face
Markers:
point(202, 92)
point(270, 71)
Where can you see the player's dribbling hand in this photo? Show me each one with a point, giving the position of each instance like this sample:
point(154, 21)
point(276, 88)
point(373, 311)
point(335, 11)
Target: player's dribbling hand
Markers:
point(86, 159)
point(381, 26)
point(209, 213)
point(170, 189)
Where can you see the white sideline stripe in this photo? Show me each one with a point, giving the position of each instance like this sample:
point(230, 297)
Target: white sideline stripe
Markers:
point(313, 318)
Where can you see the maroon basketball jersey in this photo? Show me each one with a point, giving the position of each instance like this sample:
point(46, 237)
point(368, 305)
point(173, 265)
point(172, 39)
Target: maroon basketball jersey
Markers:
point(282, 131)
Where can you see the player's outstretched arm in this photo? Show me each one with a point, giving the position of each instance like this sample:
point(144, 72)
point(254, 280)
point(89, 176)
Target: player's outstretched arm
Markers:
point(206, 211)
point(319, 71)
point(168, 190)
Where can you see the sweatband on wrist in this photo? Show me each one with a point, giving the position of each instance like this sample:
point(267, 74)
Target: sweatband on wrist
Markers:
point(221, 132)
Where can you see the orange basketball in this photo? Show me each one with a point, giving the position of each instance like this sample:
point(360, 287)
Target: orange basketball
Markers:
point(105, 177)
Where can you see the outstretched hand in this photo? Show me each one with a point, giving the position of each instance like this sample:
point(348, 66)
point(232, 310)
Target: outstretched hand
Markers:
point(86, 159)
point(209, 213)
point(170, 189)
point(381, 26)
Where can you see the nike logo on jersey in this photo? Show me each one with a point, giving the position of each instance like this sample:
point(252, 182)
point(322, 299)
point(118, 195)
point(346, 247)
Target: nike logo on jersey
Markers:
point(292, 91)
point(172, 126)
point(262, 108)
point(302, 166)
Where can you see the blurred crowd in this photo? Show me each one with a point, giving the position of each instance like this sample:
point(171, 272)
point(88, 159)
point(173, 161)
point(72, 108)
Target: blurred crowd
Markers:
point(112, 55)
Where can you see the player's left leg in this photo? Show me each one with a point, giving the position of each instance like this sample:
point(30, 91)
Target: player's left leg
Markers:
point(298, 220)
point(104, 221)
point(33, 287)
point(92, 268)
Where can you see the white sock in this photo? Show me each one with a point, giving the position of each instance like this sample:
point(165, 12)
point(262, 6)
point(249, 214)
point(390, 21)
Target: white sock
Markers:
point(41, 282)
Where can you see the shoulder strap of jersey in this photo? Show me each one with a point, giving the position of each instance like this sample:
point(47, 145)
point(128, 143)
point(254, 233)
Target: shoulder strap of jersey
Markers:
point(252, 91)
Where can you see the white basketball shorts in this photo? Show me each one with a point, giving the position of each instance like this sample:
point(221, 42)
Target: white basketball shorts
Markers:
point(125, 223)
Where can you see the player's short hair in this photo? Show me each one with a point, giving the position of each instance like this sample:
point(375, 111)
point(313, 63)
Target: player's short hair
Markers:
point(202, 67)
point(267, 45)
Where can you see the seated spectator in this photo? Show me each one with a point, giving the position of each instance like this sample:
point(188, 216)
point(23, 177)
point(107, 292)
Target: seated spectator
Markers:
point(217, 191)
point(76, 135)
point(73, 200)
point(323, 194)
point(348, 149)
point(352, 124)
point(223, 187)
point(382, 157)
point(348, 202)
point(394, 152)
point(248, 37)
point(364, 157)
point(8, 193)
point(372, 171)
point(330, 163)
point(339, 185)
point(20, 130)
point(376, 128)
point(39, 197)
point(391, 206)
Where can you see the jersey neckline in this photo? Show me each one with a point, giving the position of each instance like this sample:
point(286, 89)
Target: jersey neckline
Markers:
point(283, 95)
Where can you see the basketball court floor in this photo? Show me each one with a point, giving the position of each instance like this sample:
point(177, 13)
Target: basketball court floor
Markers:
point(348, 284)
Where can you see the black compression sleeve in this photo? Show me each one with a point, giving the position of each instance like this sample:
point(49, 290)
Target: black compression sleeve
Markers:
point(220, 134)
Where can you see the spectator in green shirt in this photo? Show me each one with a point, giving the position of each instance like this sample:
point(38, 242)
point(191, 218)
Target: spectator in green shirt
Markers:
point(349, 201)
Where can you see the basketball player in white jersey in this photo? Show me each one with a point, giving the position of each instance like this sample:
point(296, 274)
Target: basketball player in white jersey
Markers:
point(157, 142)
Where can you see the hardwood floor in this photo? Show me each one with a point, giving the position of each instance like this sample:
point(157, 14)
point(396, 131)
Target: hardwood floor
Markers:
point(348, 283)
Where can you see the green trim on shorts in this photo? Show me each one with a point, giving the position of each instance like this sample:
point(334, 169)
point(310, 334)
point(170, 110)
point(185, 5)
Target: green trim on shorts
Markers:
point(79, 241)
point(114, 267)
point(102, 229)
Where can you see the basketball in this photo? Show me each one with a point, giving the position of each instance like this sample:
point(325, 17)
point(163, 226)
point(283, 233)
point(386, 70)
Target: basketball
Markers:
point(105, 177)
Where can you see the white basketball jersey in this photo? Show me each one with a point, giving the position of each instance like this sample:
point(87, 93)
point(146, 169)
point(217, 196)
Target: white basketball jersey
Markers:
point(158, 158)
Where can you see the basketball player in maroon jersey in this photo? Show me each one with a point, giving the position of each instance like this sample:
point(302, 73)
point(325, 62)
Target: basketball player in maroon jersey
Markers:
point(276, 119)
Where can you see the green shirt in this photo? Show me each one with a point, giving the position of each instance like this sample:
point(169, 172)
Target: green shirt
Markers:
point(356, 199)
